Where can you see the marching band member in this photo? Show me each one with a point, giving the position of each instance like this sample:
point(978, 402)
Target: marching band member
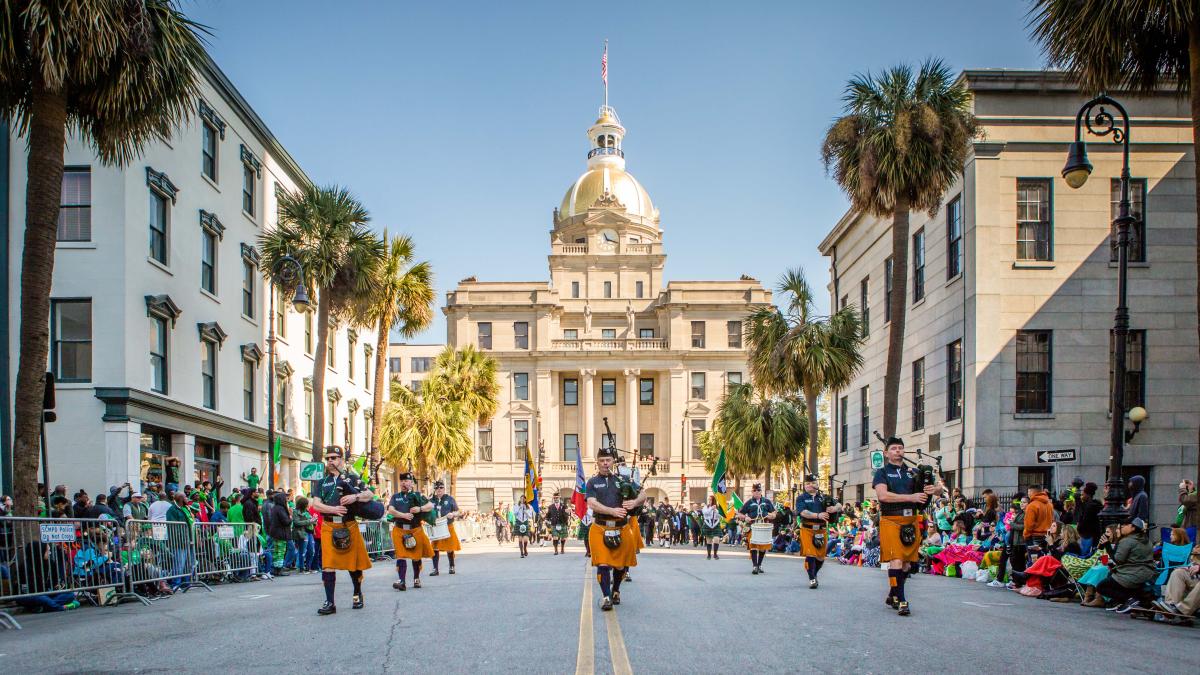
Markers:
point(523, 525)
point(585, 525)
point(342, 546)
point(711, 527)
point(900, 512)
point(757, 509)
point(557, 519)
point(445, 507)
point(408, 537)
point(612, 543)
point(813, 511)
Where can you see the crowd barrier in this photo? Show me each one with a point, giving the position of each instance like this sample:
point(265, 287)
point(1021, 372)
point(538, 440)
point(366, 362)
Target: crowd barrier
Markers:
point(226, 551)
point(377, 535)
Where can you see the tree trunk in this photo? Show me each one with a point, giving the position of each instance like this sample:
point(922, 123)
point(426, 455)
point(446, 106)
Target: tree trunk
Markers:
point(1194, 96)
point(381, 356)
point(320, 361)
point(810, 405)
point(898, 306)
point(47, 139)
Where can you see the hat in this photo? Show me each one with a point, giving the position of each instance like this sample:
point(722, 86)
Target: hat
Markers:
point(136, 494)
point(810, 478)
point(606, 452)
point(438, 484)
point(1138, 524)
point(335, 450)
point(757, 487)
point(407, 475)
point(893, 440)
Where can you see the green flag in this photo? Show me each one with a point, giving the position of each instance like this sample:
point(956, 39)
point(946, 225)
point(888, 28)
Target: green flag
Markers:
point(718, 481)
point(277, 452)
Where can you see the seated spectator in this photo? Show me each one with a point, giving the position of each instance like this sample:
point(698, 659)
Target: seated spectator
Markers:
point(1181, 595)
point(1179, 537)
point(1063, 540)
point(1133, 567)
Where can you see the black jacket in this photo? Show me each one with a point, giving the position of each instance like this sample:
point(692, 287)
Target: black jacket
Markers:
point(1087, 514)
point(278, 521)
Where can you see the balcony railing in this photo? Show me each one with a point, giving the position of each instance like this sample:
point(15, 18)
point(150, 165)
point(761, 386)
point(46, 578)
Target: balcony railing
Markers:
point(606, 151)
point(561, 468)
point(613, 345)
point(574, 248)
point(638, 248)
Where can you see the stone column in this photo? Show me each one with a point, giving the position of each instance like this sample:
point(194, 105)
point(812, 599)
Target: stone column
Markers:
point(547, 420)
point(230, 468)
point(676, 405)
point(183, 447)
point(588, 437)
point(631, 410)
point(123, 455)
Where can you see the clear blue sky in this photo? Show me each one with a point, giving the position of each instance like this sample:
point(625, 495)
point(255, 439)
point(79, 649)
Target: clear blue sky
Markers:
point(463, 123)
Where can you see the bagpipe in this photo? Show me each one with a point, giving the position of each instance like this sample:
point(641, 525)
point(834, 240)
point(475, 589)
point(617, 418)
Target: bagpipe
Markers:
point(372, 510)
point(924, 475)
point(628, 478)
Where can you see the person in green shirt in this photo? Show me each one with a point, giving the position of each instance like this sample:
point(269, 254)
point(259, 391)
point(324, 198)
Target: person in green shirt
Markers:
point(179, 524)
point(253, 479)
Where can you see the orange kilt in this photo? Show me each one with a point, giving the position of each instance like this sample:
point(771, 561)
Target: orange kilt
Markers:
point(624, 555)
point(637, 532)
point(890, 546)
point(808, 548)
point(423, 549)
point(450, 543)
point(354, 558)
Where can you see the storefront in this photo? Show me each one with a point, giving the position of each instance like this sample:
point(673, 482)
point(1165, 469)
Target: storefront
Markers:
point(208, 462)
point(156, 447)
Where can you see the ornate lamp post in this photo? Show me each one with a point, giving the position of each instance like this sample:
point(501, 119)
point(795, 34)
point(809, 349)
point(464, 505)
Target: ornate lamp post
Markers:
point(285, 272)
point(1100, 122)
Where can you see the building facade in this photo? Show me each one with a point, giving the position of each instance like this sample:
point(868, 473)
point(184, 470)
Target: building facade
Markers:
point(159, 310)
point(411, 364)
point(1011, 293)
point(604, 339)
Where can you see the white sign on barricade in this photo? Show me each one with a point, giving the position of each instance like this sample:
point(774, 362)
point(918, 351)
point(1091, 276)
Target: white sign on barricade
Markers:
point(225, 532)
point(158, 531)
point(57, 533)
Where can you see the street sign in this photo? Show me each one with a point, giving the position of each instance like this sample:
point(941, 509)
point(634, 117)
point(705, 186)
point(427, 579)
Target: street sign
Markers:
point(57, 533)
point(1052, 456)
point(312, 471)
point(876, 459)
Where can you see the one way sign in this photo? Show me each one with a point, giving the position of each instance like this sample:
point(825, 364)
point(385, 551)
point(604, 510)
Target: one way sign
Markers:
point(1052, 456)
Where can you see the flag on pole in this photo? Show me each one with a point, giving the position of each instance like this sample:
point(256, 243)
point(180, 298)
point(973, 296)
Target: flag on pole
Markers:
point(360, 467)
point(604, 64)
point(579, 499)
point(277, 454)
point(531, 483)
point(730, 504)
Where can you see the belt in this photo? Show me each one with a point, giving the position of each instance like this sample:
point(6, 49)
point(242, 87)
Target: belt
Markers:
point(337, 519)
point(814, 525)
point(904, 513)
point(406, 527)
point(609, 523)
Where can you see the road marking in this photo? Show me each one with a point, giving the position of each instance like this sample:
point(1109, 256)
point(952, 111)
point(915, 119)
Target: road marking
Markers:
point(616, 645)
point(987, 604)
point(585, 661)
point(256, 597)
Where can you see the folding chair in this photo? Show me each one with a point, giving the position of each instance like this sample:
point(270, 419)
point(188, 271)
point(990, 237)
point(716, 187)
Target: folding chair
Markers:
point(1173, 555)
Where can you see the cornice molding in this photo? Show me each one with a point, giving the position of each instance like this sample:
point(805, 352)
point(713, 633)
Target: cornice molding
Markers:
point(160, 183)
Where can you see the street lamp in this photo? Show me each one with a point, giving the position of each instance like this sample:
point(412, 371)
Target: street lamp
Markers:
point(1100, 122)
point(286, 271)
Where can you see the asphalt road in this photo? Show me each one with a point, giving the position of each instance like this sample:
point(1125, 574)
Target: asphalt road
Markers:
point(681, 614)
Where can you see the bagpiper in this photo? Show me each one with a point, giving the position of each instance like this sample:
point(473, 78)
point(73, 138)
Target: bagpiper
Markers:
point(612, 538)
point(813, 510)
point(445, 507)
point(900, 513)
point(558, 521)
point(408, 536)
point(342, 545)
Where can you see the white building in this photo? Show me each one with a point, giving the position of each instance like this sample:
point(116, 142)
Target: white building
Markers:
point(411, 364)
point(159, 309)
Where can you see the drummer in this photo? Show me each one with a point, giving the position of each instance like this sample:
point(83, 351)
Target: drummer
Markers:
point(447, 508)
point(613, 548)
point(523, 525)
point(813, 511)
point(712, 528)
point(757, 509)
point(585, 524)
point(408, 537)
point(557, 519)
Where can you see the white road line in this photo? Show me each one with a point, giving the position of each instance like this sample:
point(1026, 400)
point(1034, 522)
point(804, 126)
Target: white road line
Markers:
point(585, 661)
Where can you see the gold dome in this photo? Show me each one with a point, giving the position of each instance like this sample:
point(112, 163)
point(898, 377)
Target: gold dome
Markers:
point(601, 179)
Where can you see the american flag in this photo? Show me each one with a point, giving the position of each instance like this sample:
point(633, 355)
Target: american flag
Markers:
point(604, 64)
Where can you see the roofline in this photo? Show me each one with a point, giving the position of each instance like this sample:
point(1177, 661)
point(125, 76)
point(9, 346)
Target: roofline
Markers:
point(838, 230)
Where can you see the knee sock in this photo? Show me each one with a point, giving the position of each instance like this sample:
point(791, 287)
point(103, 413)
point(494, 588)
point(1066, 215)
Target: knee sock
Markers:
point(903, 576)
point(437, 555)
point(618, 576)
point(402, 568)
point(816, 566)
point(416, 570)
point(329, 579)
point(716, 547)
point(356, 579)
point(708, 547)
point(893, 582)
point(604, 576)
point(587, 547)
point(809, 568)
point(449, 556)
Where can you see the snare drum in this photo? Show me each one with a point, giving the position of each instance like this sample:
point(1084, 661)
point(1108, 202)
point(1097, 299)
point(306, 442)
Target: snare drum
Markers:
point(761, 534)
point(440, 530)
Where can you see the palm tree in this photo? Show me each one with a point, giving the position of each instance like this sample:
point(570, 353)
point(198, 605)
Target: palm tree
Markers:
point(900, 145)
point(402, 298)
point(470, 377)
point(758, 431)
point(325, 229)
point(798, 350)
point(121, 75)
point(1142, 46)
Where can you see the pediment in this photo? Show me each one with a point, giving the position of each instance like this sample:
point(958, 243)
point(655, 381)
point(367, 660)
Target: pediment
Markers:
point(698, 410)
point(607, 217)
point(520, 408)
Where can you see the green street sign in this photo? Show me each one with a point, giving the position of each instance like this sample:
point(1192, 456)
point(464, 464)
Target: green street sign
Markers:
point(312, 471)
point(876, 459)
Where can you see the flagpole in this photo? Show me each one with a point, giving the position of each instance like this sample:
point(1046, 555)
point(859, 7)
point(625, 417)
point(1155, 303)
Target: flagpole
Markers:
point(606, 73)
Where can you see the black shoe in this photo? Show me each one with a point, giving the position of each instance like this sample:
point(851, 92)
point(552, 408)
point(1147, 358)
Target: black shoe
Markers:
point(416, 583)
point(433, 573)
point(812, 583)
point(358, 602)
point(708, 557)
point(606, 604)
point(761, 570)
point(327, 608)
point(616, 597)
point(754, 570)
point(890, 601)
point(452, 569)
point(716, 557)
point(902, 608)
point(399, 585)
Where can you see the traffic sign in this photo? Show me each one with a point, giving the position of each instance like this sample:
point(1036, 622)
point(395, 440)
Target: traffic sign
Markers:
point(876, 459)
point(1052, 456)
point(312, 471)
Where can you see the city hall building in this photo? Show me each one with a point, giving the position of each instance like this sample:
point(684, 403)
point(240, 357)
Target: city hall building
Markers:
point(159, 311)
point(1011, 291)
point(604, 338)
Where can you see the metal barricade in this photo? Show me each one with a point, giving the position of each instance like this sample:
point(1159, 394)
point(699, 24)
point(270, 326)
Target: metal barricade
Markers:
point(377, 535)
point(225, 551)
point(48, 562)
point(161, 552)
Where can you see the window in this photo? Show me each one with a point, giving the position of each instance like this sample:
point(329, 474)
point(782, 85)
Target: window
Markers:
point(845, 302)
point(864, 309)
point(646, 333)
point(158, 227)
point(608, 289)
point(954, 233)
point(1135, 367)
point(422, 364)
point(571, 334)
point(918, 394)
point(350, 358)
point(1137, 209)
point(646, 391)
point(249, 281)
point(646, 445)
point(639, 288)
point(281, 397)
point(698, 388)
point(281, 306)
point(864, 416)
point(395, 365)
point(158, 354)
point(954, 375)
point(574, 289)
point(331, 350)
point(571, 392)
point(415, 386)
point(485, 444)
point(608, 392)
point(208, 261)
point(520, 386)
point(248, 188)
point(1033, 371)
point(570, 447)
point(208, 373)
point(330, 426)
point(208, 151)
point(732, 379)
point(71, 340)
point(248, 368)
point(521, 335)
point(844, 419)
point(308, 412)
point(367, 374)
point(485, 335)
point(888, 266)
point(1034, 223)
point(521, 437)
point(697, 335)
point(918, 247)
point(308, 332)
point(608, 333)
point(486, 499)
point(698, 427)
point(734, 330)
point(75, 205)
point(1029, 476)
